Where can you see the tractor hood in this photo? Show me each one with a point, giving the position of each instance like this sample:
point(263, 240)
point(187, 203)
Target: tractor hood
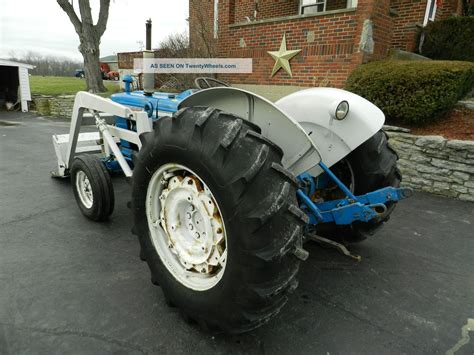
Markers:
point(159, 104)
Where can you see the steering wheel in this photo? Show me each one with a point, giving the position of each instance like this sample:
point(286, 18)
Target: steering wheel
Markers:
point(203, 82)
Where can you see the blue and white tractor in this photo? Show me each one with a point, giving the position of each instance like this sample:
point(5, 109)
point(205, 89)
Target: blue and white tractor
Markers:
point(228, 186)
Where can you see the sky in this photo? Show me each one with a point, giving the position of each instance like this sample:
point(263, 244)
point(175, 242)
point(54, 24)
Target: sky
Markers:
point(42, 26)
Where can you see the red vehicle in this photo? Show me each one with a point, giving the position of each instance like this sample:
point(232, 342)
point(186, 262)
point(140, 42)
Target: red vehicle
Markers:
point(107, 74)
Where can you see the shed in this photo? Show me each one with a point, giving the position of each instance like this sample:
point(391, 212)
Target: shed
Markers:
point(15, 83)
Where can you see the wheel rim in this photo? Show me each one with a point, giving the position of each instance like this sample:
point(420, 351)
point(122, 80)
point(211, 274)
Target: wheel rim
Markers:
point(186, 227)
point(84, 189)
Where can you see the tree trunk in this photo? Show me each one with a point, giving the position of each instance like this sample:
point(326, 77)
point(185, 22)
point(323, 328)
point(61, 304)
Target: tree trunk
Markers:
point(92, 68)
point(89, 37)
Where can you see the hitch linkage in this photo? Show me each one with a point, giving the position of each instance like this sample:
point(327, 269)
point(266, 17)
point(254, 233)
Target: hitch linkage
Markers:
point(364, 208)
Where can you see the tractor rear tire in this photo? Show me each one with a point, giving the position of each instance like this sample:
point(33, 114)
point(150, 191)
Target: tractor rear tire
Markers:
point(92, 187)
point(374, 166)
point(255, 196)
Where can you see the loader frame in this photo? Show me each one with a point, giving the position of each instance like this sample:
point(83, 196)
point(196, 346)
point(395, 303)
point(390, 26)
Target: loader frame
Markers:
point(66, 145)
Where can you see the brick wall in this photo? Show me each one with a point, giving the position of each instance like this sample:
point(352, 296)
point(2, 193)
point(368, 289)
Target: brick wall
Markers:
point(446, 8)
point(335, 4)
point(407, 22)
point(382, 28)
point(326, 43)
point(329, 42)
point(409, 19)
point(125, 59)
point(275, 8)
point(266, 9)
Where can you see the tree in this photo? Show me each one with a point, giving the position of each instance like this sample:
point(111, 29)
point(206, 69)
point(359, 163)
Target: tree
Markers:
point(202, 36)
point(47, 64)
point(89, 38)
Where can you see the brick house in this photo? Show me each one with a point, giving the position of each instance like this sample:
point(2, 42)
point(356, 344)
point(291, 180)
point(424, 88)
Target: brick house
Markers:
point(334, 36)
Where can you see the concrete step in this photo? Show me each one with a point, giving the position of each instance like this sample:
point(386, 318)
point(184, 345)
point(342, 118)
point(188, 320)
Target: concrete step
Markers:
point(466, 103)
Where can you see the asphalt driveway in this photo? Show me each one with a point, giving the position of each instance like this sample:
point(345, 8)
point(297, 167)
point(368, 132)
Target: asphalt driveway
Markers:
point(68, 285)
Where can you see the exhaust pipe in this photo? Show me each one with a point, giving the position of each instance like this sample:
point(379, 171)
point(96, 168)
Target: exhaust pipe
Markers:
point(148, 35)
point(148, 78)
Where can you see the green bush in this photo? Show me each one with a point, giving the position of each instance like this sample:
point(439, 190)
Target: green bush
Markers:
point(413, 91)
point(450, 39)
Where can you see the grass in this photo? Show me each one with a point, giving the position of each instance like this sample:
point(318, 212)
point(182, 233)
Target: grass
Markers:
point(62, 85)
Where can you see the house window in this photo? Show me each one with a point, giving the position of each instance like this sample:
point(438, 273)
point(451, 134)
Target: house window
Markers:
point(312, 6)
point(216, 19)
point(315, 6)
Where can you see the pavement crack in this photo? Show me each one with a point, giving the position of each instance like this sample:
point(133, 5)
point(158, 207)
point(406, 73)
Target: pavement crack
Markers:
point(362, 319)
point(31, 215)
point(393, 271)
point(465, 338)
point(81, 334)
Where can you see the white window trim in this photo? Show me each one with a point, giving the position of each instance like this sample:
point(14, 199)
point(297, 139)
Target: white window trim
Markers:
point(429, 18)
point(216, 19)
point(316, 2)
point(350, 4)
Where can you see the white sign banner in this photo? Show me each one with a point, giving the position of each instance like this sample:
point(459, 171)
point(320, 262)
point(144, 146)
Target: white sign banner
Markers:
point(192, 65)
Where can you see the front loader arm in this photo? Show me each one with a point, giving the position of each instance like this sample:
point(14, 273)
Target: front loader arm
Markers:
point(98, 107)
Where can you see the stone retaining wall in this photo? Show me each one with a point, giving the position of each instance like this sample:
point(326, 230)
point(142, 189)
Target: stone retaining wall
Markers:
point(56, 106)
point(435, 164)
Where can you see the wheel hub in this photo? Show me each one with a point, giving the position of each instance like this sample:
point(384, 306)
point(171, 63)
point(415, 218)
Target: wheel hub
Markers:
point(194, 232)
point(84, 189)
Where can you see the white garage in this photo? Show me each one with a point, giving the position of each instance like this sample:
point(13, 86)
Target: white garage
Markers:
point(14, 84)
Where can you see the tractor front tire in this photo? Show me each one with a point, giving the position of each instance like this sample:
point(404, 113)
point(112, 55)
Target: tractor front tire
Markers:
point(203, 167)
point(373, 166)
point(92, 187)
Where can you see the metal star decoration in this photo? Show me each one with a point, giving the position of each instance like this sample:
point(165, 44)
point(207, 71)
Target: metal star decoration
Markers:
point(283, 57)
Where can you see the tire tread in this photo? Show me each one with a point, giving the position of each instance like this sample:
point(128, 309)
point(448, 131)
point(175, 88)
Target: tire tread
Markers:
point(273, 223)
